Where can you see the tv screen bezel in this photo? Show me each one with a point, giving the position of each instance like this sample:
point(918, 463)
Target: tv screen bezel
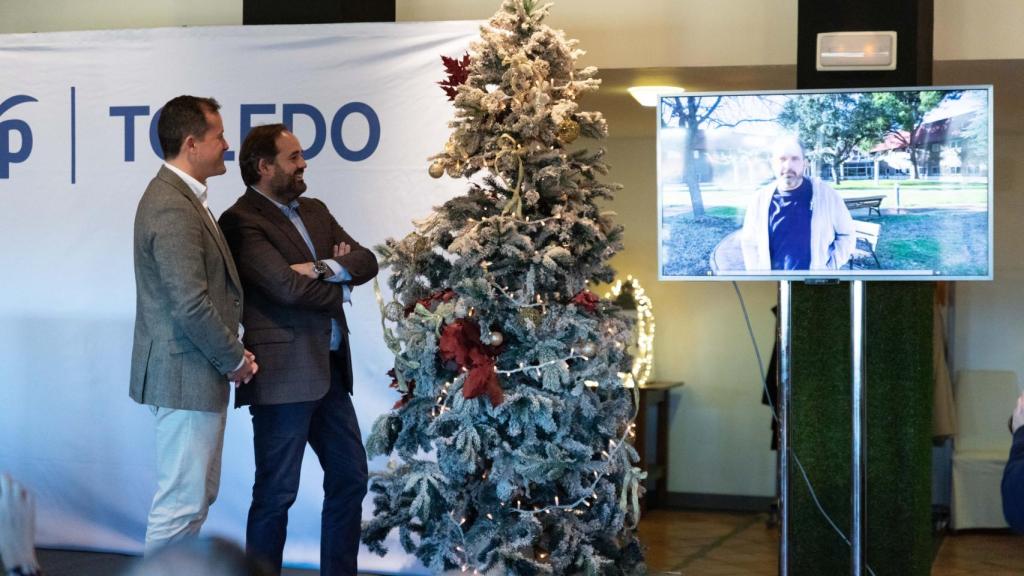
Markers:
point(832, 275)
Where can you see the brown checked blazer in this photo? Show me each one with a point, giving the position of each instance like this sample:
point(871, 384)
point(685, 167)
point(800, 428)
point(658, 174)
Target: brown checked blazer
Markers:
point(188, 302)
point(288, 316)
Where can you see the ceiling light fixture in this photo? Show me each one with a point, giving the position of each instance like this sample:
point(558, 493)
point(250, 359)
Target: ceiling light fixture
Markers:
point(648, 95)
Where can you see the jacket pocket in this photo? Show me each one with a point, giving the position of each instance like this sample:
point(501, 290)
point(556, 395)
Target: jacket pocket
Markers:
point(269, 335)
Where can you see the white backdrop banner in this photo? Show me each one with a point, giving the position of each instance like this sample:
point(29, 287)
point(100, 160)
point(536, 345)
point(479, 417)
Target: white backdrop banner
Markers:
point(77, 141)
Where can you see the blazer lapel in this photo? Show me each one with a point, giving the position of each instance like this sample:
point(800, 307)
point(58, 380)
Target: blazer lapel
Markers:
point(317, 226)
point(206, 217)
point(274, 215)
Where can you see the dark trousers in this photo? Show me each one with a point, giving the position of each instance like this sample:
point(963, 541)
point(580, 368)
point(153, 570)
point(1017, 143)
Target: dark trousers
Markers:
point(281, 432)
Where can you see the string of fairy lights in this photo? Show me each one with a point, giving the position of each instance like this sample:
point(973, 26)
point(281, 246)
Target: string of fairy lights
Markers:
point(581, 504)
point(577, 506)
point(643, 358)
point(639, 374)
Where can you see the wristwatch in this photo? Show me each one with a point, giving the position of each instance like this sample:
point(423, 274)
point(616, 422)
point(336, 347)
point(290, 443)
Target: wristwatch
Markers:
point(322, 269)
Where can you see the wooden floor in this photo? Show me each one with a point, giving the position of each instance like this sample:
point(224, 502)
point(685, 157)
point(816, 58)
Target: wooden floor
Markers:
point(686, 543)
point(709, 543)
point(724, 544)
point(976, 553)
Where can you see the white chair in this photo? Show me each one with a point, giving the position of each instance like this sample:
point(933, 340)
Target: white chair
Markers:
point(984, 400)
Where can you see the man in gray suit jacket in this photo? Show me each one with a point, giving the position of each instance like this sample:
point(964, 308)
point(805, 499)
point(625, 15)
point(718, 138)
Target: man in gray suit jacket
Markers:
point(187, 323)
point(297, 266)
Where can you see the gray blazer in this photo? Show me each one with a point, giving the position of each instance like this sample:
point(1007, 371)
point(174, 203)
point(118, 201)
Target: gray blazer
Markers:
point(188, 302)
point(287, 315)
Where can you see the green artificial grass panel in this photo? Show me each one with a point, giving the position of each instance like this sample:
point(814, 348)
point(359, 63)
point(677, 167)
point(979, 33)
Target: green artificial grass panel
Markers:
point(899, 380)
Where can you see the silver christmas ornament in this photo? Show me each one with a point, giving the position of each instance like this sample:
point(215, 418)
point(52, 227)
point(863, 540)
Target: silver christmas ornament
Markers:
point(394, 311)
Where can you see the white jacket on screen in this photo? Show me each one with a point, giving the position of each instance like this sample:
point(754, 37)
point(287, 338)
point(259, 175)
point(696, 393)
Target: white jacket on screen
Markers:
point(832, 234)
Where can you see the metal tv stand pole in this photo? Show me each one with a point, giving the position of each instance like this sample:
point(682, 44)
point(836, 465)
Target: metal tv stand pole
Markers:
point(859, 452)
point(858, 468)
point(785, 343)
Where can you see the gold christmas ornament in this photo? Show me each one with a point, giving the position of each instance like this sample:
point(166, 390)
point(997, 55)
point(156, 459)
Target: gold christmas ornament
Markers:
point(568, 131)
point(455, 169)
point(531, 316)
point(436, 169)
point(496, 338)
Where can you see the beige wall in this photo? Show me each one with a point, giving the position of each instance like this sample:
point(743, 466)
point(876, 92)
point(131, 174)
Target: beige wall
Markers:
point(616, 34)
point(978, 29)
point(650, 33)
point(990, 314)
point(59, 15)
point(719, 430)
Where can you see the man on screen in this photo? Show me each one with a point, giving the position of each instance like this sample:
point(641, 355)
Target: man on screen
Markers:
point(796, 223)
point(297, 267)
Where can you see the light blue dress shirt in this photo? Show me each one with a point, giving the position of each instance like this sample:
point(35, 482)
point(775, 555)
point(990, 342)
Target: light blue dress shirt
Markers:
point(341, 275)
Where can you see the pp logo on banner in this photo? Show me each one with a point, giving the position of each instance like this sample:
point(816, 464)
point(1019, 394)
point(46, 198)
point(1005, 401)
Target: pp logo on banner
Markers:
point(7, 130)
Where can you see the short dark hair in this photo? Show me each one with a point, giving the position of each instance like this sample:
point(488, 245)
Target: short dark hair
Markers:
point(260, 144)
point(180, 118)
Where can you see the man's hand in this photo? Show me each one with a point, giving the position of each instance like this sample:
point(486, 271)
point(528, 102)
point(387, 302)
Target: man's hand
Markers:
point(17, 525)
point(1017, 420)
point(305, 269)
point(245, 373)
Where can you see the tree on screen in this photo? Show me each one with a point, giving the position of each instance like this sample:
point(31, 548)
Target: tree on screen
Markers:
point(832, 127)
point(690, 113)
point(901, 114)
point(508, 447)
point(974, 145)
point(695, 114)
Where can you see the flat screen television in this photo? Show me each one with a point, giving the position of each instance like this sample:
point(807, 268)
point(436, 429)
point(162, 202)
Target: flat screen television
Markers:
point(884, 184)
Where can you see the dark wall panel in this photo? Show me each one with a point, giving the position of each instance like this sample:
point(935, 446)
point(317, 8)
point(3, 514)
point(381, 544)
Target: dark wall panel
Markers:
point(317, 11)
point(899, 362)
point(911, 19)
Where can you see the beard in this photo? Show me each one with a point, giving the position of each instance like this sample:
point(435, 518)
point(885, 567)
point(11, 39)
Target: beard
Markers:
point(788, 180)
point(288, 186)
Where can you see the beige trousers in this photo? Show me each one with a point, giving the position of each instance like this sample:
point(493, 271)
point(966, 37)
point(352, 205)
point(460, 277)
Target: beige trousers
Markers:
point(189, 444)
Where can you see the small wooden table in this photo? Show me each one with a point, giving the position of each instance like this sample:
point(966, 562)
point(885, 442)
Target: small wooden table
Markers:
point(654, 394)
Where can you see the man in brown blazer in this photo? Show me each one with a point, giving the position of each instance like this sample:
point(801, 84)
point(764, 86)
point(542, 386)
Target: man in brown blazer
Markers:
point(187, 322)
point(297, 266)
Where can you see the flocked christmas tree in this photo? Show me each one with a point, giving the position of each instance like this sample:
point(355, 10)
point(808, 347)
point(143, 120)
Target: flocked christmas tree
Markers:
point(509, 446)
